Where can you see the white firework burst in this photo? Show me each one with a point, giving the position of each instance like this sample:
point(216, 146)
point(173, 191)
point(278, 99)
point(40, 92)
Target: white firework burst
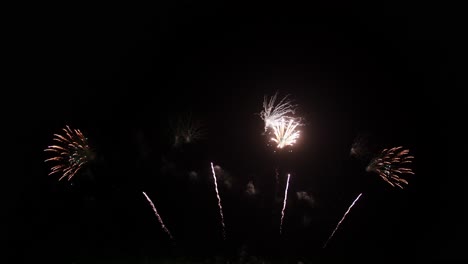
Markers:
point(273, 113)
point(285, 132)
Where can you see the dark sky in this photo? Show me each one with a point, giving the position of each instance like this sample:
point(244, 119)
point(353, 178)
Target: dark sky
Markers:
point(123, 74)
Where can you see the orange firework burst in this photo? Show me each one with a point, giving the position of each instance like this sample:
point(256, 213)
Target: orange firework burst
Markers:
point(71, 153)
point(390, 165)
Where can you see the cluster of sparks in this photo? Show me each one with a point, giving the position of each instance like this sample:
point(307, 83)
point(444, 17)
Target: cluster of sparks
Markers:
point(390, 164)
point(278, 118)
point(71, 153)
point(159, 217)
point(273, 113)
point(219, 200)
point(285, 133)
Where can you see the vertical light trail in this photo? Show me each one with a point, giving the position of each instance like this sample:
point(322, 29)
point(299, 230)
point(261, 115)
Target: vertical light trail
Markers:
point(284, 203)
point(344, 216)
point(219, 201)
point(159, 217)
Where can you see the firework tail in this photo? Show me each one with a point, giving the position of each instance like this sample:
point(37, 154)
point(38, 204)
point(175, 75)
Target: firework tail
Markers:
point(159, 217)
point(284, 203)
point(219, 201)
point(339, 223)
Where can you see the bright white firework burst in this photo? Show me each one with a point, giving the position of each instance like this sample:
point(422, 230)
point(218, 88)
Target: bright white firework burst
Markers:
point(285, 132)
point(273, 113)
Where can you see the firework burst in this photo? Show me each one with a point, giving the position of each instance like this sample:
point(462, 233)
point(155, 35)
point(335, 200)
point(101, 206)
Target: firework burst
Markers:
point(187, 130)
point(390, 165)
point(285, 133)
point(273, 113)
point(72, 152)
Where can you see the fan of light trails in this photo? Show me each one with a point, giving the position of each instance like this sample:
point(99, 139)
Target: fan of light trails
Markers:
point(159, 217)
point(219, 200)
point(344, 216)
point(390, 163)
point(187, 130)
point(285, 133)
point(272, 114)
point(284, 203)
point(72, 152)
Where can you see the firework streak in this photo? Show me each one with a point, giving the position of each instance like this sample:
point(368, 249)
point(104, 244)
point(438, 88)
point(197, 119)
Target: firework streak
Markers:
point(284, 203)
point(219, 201)
point(344, 216)
point(159, 217)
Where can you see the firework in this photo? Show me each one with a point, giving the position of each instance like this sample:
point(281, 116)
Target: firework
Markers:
point(273, 113)
point(72, 152)
point(159, 217)
point(219, 200)
point(390, 165)
point(285, 133)
point(344, 216)
point(187, 130)
point(284, 203)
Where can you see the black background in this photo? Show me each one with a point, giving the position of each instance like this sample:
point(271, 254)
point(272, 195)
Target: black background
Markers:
point(122, 74)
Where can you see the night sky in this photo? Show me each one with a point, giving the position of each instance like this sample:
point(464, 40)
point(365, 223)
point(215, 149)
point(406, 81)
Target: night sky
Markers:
point(124, 74)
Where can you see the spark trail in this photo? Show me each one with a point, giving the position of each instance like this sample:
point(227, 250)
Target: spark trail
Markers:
point(159, 217)
point(344, 216)
point(284, 203)
point(219, 201)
